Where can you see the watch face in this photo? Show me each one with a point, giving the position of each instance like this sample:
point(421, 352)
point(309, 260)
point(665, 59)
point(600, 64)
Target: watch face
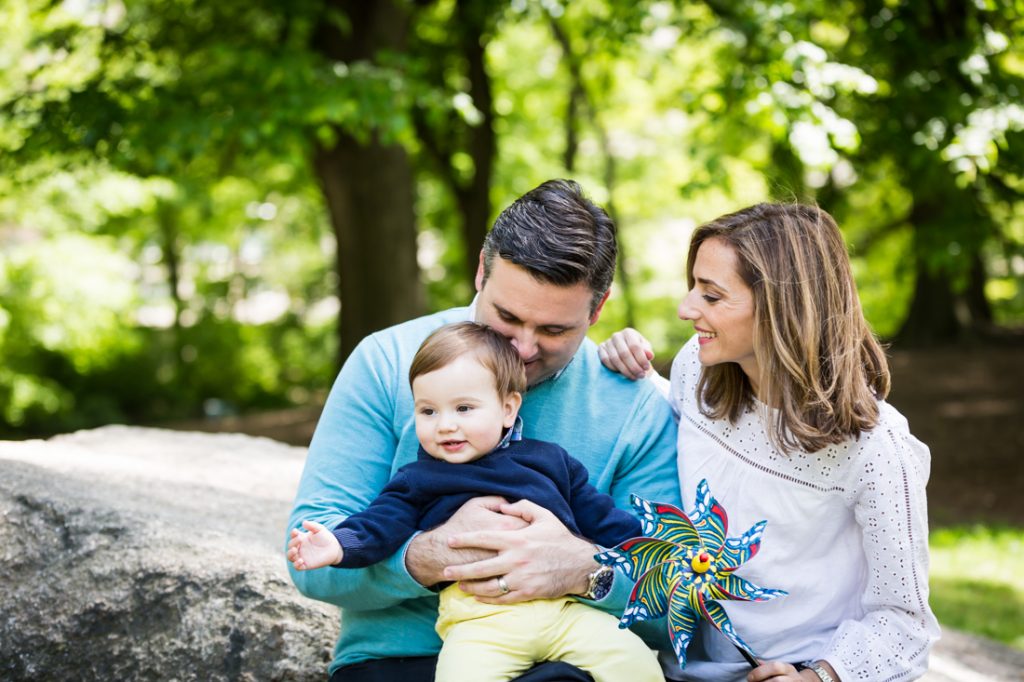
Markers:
point(602, 582)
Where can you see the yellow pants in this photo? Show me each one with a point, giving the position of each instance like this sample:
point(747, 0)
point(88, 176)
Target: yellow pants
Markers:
point(495, 643)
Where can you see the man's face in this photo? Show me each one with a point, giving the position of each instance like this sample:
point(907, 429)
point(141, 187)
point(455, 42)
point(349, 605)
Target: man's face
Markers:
point(546, 323)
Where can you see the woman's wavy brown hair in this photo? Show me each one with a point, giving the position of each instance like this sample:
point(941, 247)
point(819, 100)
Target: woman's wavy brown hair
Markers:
point(820, 363)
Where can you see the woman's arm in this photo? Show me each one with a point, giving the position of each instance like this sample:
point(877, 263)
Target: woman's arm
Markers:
point(898, 629)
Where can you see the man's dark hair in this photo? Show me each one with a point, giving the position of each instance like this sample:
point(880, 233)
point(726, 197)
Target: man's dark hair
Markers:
point(559, 236)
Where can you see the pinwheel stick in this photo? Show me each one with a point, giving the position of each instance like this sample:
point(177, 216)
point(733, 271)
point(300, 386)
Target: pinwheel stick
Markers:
point(746, 654)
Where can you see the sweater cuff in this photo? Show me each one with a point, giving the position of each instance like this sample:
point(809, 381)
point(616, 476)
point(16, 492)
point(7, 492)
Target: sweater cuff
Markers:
point(351, 547)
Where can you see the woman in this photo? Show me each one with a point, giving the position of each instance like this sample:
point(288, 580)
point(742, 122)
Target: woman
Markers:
point(780, 399)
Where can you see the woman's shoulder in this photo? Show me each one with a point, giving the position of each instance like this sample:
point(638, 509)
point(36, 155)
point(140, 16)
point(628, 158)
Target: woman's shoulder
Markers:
point(891, 430)
point(686, 365)
point(889, 449)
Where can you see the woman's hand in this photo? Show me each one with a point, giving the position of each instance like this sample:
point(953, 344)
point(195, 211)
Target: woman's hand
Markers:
point(628, 353)
point(779, 671)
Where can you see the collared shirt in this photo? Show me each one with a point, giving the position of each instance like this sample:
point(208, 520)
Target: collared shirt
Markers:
point(511, 435)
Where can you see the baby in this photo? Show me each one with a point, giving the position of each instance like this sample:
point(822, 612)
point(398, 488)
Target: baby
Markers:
point(467, 383)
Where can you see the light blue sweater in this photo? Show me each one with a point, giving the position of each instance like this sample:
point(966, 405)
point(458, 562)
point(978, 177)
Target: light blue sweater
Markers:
point(623, 431)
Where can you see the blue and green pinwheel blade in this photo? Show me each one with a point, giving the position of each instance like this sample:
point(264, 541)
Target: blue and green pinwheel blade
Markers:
point(709, 518)
point(731, 586)
point(714, 613)
point(682, 619)
point(665, 522)
point(738, 551)
point(637, 556)
point(650, 596)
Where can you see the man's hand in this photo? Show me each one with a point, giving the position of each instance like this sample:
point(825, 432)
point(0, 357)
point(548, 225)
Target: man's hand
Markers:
point(430, 553)
point(313, 548)
point(542, 560)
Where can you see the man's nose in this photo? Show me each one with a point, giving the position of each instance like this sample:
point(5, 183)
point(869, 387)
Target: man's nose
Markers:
point(525, 343)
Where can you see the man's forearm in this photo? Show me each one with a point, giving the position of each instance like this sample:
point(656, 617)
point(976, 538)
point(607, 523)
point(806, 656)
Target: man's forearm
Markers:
point(421, 558)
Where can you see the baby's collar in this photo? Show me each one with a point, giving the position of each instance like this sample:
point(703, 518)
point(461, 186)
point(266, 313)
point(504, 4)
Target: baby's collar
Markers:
point(513, 434)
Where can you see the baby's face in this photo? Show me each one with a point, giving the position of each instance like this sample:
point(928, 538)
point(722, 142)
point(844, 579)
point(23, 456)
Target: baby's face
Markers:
point(459, 414)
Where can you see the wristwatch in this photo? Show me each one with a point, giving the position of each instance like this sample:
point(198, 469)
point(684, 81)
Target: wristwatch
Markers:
point(820, 671)
point(600, 583)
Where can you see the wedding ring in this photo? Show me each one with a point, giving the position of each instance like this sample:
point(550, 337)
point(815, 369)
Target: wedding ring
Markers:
point(503, 586)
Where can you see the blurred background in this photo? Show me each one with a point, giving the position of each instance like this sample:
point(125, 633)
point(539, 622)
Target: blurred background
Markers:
point(204, 206)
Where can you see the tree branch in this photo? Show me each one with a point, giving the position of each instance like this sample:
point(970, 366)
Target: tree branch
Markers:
point(864, 246)
point(573, 62)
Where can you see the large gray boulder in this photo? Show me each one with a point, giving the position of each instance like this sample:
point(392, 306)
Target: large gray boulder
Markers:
point(143, 554)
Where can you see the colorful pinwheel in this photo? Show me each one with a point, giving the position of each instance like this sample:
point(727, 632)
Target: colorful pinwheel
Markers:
point(685, 563)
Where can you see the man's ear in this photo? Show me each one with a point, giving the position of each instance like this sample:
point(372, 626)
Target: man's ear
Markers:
point(479, 281)
point(600, 306)
point(512, 403)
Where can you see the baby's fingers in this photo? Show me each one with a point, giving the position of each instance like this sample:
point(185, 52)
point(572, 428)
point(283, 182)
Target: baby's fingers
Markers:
point(314, 527)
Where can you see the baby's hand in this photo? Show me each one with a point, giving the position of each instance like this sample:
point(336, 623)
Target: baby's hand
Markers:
point(313, 549)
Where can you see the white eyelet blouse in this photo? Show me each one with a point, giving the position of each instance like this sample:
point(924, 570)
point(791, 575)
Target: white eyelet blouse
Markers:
point(847, 537)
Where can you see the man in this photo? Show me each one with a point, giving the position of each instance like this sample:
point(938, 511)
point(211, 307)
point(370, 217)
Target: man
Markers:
point(545, 273)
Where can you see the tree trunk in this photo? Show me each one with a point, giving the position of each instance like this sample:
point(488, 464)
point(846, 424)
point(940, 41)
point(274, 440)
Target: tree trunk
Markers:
point(931, 319)
point(167, 219)
point(369, 190)
point(474, 198)
point(974, 297)
point(581, 99)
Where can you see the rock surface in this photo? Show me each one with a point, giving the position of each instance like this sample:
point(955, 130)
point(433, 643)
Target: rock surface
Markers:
point(140, 554)
point(144, 554)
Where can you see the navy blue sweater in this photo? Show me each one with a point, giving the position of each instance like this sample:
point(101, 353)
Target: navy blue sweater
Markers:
point(425, 493)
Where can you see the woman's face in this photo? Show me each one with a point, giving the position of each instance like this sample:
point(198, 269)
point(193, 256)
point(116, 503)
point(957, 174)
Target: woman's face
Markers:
point(721, 307)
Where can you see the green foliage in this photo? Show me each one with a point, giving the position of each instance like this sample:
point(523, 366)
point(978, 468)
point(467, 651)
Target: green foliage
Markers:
point(224, 368)
point(241, 366)
point(165, 241)
point(65, 306)
point(976, 584)
point(164, 86)
point(906, 100)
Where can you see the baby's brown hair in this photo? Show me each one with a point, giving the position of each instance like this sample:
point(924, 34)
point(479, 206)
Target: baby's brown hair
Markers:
point(491, 349)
